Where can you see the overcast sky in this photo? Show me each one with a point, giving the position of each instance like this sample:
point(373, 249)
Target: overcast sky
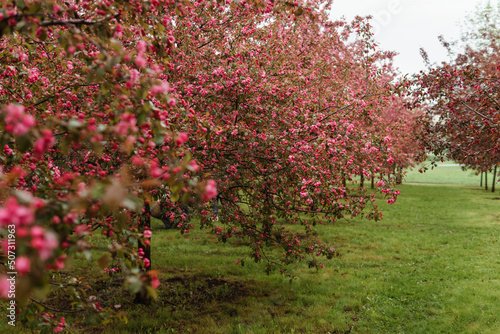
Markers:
point(405, 26)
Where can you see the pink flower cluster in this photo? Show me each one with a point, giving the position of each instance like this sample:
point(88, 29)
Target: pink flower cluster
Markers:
point(210, 191)
point(43, 241)
point(60, 326)
point(13, 213)
point(5, 286)
point(17, 121)
point(127, 122)
point(44, 143)
point(181, 138)
point(23, 265)
point(139, 60)
point(160, 89)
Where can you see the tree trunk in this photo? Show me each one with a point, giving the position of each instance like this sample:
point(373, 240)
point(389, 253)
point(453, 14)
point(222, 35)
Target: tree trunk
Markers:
point(142, 296)
point(373, 180)
point(481, 182)
point(486, 180)
point(146, 223)
point(494, 179)
point(361, 185)
point(399, 177)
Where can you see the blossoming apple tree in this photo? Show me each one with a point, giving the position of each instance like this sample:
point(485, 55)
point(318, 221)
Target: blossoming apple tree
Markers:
point(461, 101)
point(85, 140)
point(288, 111)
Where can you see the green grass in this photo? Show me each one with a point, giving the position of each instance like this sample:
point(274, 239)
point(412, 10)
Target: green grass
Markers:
point(444, 173)
point(430, 266)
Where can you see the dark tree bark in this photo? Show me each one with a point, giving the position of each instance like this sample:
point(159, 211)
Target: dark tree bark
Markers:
point(142, 296)
point(494, 179)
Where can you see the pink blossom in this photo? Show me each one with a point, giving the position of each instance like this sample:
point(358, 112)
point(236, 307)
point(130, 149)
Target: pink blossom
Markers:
point(210, 191)
point(7, 150)
point(81, 230)
point(33, 75)
point(193, 165)
point(391, 200)
point(13, 213)
point(43, 241)
point(141, 46)
point(182, 137)
point(23, 265)
point(118, 31)
point(4, 287)
point(128, 122)
point(4, 245)
point(133, 77)
point(160, 89)
point(137, 161)
point(22, 57)
point(148, 234)
point(172, 102)
point(390, 160)
point(304, 193)
point(380, 183)
point(140, 61)
point(60, 262)
point(44, 143)
point(17, 121)
point(155, 282)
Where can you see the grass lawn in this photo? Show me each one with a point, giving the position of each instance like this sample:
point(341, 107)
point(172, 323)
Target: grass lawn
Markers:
point(430, 266)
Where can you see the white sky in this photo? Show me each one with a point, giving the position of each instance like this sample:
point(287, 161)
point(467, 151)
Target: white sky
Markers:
point(405, 26)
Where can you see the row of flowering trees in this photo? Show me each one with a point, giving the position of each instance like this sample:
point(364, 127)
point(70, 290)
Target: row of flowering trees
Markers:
point(107, 106)
point(461, 100)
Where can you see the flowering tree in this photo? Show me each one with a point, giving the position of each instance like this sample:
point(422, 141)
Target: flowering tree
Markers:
point(462, 111)
point(85, 140)
point(124, 103)
point(287, 114)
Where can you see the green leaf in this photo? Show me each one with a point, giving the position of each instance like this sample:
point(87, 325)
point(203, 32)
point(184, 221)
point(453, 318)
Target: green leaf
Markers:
point(174, 197)
point(122, 317)
point(20, 4)
point(151, 292)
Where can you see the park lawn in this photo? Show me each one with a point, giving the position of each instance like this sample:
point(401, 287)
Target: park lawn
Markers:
point(447, 172)
point(430, 266)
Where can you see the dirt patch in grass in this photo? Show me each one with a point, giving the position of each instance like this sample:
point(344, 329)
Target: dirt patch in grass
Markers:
point(196, 292)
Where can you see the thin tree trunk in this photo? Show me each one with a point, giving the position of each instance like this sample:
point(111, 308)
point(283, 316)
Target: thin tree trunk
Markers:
point(481, 182)
point(373, 180)
point(146, 224)
point(361, 185)
point(142, 296)
point(486, 180)
point(494, 179)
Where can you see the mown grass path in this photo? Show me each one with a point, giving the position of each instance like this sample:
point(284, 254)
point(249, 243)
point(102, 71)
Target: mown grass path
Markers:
point(430, 266)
